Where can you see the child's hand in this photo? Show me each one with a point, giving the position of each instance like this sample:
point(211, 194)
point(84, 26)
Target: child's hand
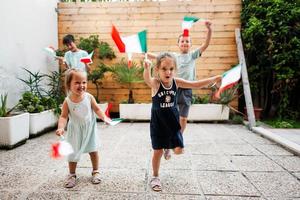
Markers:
point(60, 131)
point(208, 24)
point(147, 63)
point(107, 120)
point(218, 78)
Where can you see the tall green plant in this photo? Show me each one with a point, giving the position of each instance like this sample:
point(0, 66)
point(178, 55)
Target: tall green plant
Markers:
point(270, 31)
point(89, 44)
point(127, 75)
point(34, 82)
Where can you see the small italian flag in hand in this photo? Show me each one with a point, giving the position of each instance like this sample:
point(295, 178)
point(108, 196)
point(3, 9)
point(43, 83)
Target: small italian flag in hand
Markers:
point(61, 148)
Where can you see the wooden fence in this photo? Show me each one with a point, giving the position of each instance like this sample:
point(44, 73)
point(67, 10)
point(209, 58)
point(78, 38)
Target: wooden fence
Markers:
point(163, 22)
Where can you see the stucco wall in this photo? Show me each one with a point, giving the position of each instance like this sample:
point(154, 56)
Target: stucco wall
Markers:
point(26, 28)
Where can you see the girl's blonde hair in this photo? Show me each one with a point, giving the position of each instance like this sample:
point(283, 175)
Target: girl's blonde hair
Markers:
point(69, 76)
point(164, 55)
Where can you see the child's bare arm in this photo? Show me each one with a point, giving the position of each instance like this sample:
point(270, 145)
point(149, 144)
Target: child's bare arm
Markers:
point(204, 46)
point(149, 80)
point(63, 118)
point(199, 83)
point(99, 112)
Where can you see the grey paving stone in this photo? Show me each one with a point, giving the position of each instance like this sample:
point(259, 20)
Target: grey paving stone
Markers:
point(275, 184)
point(291, 163)
point(12, 194)
point(74, 195)
point(255, 163)
point(179, 162)
point(233, 198)
point(234, 149)
point(272, 149)
point(23, 178)
point(225, 183)
point(163, 196)
point(204, 149)
point(212, 162)
point(297, 175)
point(114, 180)
point(178, 182)
point(116, 196)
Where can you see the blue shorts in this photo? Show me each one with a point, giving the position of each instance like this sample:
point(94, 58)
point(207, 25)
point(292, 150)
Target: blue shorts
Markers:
point(184, 101)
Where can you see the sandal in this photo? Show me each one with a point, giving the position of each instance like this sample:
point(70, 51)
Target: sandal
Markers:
point(71, 181)
point(155, 184)
point(167, 154)
point(96, 177)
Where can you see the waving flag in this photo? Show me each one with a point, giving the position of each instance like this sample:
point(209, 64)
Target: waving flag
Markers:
point(136, 43)
point(87, 59)
point(50, 51)
point(188, 23)
point(61, 148)
point(229, 79)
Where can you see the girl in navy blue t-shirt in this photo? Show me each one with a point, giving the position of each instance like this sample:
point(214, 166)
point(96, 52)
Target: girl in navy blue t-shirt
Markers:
point(164, 125)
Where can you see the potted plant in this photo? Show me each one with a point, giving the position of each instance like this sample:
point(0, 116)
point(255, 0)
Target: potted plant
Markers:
point(43, 107)
point(127, 76)
point(14, 126)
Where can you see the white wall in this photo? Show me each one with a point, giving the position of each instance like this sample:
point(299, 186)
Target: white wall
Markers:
point(26, 28)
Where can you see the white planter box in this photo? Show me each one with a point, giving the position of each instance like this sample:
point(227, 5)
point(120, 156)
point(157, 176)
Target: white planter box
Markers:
point(41, 122)
point(141, 111)
point(14, 130)
point(208, 112)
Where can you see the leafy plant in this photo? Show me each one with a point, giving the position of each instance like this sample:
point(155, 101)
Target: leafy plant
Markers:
point(127, 75)
point(89, 44)
point(228, 95)
point(96, 75)
point(34, 82)
point(270, 31)
point(196, 99)
point(105, 51)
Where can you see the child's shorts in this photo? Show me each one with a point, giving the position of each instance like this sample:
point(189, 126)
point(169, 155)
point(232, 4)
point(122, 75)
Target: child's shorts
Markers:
point(184, 101)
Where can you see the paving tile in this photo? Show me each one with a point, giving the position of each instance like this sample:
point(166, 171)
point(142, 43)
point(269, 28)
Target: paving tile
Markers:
point(255, 163)
point(178, 182)
point(74, 195)
point(275, 184)
point(115, 196)
point(272, 150)
point(237, 149)
point(12, 194)
point(225, 183)
point(212, 162)
point(291, 163)
point(163, 196)
point(233, 198)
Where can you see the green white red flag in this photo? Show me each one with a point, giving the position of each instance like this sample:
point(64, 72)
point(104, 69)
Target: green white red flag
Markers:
point(229, 79)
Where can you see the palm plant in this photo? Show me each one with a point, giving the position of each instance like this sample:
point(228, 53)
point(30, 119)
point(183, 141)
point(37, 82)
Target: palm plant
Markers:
point(127, 75)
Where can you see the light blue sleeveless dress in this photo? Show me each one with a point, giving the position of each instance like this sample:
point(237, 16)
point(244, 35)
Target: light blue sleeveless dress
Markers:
point(82, 128)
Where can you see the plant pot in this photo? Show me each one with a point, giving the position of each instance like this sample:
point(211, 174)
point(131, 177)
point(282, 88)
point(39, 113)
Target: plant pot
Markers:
point(42, 122)
point(14, 130)
point(208, 112)
point(137, 111)
point(257, 113)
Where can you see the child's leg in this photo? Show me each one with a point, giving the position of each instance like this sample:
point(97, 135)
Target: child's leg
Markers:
point(178, 150)
point(183, 122)
point(71, 179)
point(95, 160)
point(72, 167)
point(157, 154)
point(95, 163)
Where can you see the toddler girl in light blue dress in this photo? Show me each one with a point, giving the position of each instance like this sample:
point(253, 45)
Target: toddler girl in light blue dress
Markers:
point(80, 108)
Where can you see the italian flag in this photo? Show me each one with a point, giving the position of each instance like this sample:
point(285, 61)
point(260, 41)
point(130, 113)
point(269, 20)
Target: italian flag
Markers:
point(229, 79)
point(136, 43)
point(61, 148)
point(188, 23)
point(87, 59)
